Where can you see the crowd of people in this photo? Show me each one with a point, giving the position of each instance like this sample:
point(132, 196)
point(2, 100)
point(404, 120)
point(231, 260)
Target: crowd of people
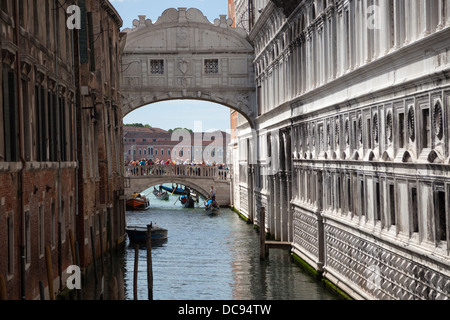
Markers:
point(149, 162)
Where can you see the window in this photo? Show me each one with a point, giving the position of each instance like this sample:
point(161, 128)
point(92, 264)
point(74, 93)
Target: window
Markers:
point(211, 66)
point(52, 122)
point(414, 211)
point(363, 200)
point(41, 124)
point(41, 231)
point(64, 130)
point(157, 66)
point(4, 6)
point(392, 204)
point(426, 128)
point(401, 130)
point(349, 194)
point(10, 143)
point(338, 193)
point(440, 218)
point(10, 240)
point(378, 203)
point(369, 134)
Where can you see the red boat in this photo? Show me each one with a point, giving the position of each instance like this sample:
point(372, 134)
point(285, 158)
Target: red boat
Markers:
point(138, 202)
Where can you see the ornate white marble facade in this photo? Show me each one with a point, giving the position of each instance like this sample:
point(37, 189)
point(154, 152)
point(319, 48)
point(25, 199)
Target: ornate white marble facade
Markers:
point(351, 150)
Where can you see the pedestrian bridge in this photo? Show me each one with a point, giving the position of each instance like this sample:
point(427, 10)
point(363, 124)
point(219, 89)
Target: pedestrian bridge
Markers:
point(199, 178)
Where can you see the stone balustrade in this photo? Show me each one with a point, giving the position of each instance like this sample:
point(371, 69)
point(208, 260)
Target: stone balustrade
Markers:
point(183, 171)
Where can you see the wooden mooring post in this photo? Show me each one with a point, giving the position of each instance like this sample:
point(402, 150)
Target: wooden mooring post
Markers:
point(149, 263)
point(135, 277)
point(48, 260)
point(3, 292)
point(262, 234)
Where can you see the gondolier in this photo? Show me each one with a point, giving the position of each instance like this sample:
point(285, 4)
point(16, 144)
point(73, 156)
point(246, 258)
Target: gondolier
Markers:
point(212, 193)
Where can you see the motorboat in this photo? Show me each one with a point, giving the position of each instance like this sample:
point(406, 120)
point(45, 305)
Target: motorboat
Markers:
point(138, 201)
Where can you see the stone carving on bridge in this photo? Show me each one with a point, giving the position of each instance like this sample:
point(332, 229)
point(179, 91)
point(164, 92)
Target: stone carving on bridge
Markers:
point(184, 56)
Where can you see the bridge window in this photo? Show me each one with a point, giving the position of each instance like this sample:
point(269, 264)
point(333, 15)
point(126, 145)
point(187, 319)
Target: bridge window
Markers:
point(157, 66)
point(211, 66)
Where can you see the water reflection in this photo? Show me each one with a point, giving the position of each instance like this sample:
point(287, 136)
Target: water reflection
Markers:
point(207, 258)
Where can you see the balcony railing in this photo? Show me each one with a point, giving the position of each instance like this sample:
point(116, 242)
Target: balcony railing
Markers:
point(177, 171)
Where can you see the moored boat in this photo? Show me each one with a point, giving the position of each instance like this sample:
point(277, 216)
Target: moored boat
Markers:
point(138, 202)
point(138, 234)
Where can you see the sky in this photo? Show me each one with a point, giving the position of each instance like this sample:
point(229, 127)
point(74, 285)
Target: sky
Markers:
point(176, 113)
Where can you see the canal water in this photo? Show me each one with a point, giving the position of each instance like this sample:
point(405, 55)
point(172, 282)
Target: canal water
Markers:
point(212, 258)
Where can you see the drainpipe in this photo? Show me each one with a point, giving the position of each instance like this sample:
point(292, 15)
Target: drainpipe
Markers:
point(21, 182)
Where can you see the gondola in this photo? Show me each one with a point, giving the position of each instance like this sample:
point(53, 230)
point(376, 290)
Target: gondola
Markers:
point(138, 234)
point(187, 202)
point(178, 191)
point(212, 208)
point(138, 201)
point(160, 195)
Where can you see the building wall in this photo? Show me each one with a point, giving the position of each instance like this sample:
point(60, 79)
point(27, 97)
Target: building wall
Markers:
point(37, 158)
point(100, 127)
point(45, 118)
point(353, 141)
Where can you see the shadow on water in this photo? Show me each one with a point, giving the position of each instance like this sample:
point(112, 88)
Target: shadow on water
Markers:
point(204, 258)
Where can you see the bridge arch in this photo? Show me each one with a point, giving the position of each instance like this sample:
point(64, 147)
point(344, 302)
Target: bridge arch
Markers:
point(199, 178)
point(182, 182)
point(184, 56)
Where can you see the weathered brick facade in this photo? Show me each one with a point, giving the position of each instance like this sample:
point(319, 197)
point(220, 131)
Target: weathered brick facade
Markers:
point(52, 178)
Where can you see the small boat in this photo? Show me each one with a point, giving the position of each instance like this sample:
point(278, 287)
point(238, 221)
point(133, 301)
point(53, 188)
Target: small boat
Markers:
point(177, 191)
point(138, 234)
point(212, 207)
point(161, 195)
point(187, 202)
point(138, 201)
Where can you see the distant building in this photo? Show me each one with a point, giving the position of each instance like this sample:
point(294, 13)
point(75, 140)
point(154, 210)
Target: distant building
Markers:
point(157, 144)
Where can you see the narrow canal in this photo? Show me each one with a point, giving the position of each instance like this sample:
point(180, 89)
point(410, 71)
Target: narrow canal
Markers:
point(212, 258)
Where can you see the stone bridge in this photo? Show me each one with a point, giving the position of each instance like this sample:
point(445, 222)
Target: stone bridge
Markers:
point(199, 178)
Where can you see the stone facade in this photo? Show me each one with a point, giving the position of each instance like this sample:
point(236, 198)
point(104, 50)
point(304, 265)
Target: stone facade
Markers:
point(184, 56)
point(351, 156)
point(56, 107)
point(101, 198)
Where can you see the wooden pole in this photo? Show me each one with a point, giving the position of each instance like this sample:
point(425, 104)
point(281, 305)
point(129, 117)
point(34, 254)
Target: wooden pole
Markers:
point(3, 295)
point(42, 290)
point(93, 254)
point(149, 263)
point(262, 233)
point(136, 261)
point(60, 256)
point(48, 259)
